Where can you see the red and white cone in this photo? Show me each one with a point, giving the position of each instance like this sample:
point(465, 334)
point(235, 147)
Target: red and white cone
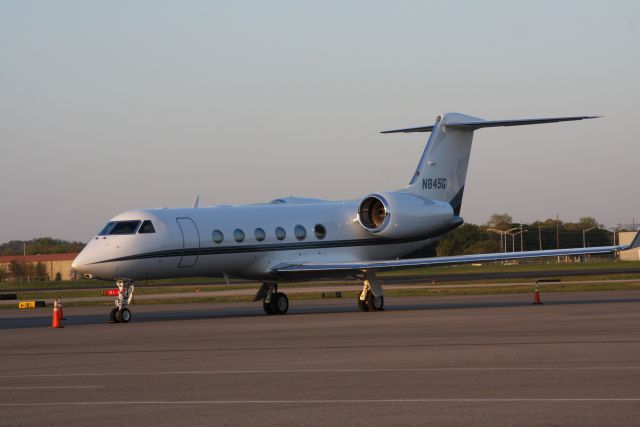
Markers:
point(536, 296)
point(60, 309)
point(55, 323)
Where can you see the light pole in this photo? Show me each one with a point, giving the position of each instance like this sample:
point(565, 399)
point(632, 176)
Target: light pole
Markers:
point(499, 233)
point(584, 240)
point(513, 239)
point(584, 234)
point(521, 233)
point(503, 236)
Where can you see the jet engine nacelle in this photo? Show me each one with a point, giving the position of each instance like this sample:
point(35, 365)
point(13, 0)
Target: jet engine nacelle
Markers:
point(399, 215)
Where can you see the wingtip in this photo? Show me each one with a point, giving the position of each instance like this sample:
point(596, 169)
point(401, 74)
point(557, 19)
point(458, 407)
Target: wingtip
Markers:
point(636, 241)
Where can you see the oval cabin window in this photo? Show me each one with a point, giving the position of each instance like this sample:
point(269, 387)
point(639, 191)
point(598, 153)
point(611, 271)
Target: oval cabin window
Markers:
point(280, 233)
point(300, 232)
point(238, 235)
point(217, 236)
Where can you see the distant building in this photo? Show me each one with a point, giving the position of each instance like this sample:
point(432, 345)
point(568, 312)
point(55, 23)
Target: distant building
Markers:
point(55, 264)
point(625, 237)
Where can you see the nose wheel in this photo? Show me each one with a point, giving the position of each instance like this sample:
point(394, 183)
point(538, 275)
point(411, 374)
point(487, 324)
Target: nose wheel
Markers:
point(121, 314)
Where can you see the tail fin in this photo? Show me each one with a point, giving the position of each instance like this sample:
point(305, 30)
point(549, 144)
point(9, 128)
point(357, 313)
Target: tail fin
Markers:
point(442, 170)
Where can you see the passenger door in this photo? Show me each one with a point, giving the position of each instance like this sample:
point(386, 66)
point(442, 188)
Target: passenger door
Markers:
point(190, 242)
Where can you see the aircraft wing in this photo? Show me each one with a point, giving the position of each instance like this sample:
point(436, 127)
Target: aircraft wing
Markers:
point(359, 266)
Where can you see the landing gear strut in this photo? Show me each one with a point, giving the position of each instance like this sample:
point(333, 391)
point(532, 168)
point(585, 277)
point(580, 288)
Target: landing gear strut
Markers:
point(371, 298)
point(273, 302)
point(121, 314)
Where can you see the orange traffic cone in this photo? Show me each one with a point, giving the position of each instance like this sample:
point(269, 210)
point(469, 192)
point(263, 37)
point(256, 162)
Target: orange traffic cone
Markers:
point(56, 316)
point(60, 309)
point(536, 296)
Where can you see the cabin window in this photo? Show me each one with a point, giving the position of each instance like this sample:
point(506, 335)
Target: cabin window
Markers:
point(217, 236)
point(280, 233)
point(238, 235)
point(120, 227)
point(320, 231)
point(300, 232)
point(260, 234)
point(146, 227)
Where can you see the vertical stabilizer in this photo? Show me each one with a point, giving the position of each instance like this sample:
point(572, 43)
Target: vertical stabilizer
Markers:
point(442, 169)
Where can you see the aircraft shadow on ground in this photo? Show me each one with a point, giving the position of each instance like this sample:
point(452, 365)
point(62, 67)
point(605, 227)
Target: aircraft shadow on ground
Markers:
point(213, 312)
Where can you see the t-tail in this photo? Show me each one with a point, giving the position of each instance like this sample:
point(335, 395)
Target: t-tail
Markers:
point(442, 170)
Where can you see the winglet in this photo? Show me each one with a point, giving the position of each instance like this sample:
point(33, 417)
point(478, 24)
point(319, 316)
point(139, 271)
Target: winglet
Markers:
point(636, 241)
point(196, 202)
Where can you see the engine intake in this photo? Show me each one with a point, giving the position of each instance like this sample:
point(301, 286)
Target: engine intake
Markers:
point(373, 213)
point(399, 215)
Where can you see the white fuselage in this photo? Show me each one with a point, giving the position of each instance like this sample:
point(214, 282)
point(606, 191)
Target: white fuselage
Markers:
point(186, 242)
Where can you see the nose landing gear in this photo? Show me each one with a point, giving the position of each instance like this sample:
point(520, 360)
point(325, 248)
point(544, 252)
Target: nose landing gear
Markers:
point(121, 314)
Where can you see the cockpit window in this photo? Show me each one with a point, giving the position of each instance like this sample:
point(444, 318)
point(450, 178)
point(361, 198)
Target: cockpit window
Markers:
point(107, 228)
point(120, 227)
point(146, 227)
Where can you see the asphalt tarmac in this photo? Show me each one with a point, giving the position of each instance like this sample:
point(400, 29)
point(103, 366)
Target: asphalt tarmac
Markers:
point(458, 360)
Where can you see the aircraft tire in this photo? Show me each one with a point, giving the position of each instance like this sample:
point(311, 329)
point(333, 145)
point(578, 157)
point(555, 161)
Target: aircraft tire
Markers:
point(362, 304)
point(267, 307)
point(281, 303)
point(125, 315)
point(112, 316)
point(375, 304)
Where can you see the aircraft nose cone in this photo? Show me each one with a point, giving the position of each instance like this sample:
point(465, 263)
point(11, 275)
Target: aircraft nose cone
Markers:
point(79, 264)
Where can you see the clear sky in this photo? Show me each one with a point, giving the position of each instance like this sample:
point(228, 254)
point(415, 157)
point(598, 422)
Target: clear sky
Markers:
point(110, 106)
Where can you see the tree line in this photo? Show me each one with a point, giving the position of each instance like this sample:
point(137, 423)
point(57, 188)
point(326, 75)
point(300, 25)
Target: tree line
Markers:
point(41, 245)
point(501, 234)
point(24, 271)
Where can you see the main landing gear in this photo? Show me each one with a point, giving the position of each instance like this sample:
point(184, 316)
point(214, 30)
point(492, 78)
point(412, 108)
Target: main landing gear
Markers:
point(371, 298)
point(121, 314)
point(273, 302)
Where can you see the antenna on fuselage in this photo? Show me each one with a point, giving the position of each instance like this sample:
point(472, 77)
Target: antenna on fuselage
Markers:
point(195, 203)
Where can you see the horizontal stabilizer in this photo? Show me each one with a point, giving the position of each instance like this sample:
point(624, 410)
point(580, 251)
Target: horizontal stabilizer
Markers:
point(477, 124)
point(409, 130)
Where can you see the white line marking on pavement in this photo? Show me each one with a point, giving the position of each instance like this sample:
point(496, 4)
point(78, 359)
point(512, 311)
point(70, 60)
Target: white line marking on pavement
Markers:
point(36, 387)
point(324, 401)
point(329, 371)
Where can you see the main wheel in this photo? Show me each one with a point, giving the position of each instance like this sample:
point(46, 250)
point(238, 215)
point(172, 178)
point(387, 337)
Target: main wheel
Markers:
point(112, 316)
point(362, 304)
point(125, 315)
point(267, 306)
point(375, 303)
point(281, 303)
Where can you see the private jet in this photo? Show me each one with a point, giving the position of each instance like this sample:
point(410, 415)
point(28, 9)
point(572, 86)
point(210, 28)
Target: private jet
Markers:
point(301, 239)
